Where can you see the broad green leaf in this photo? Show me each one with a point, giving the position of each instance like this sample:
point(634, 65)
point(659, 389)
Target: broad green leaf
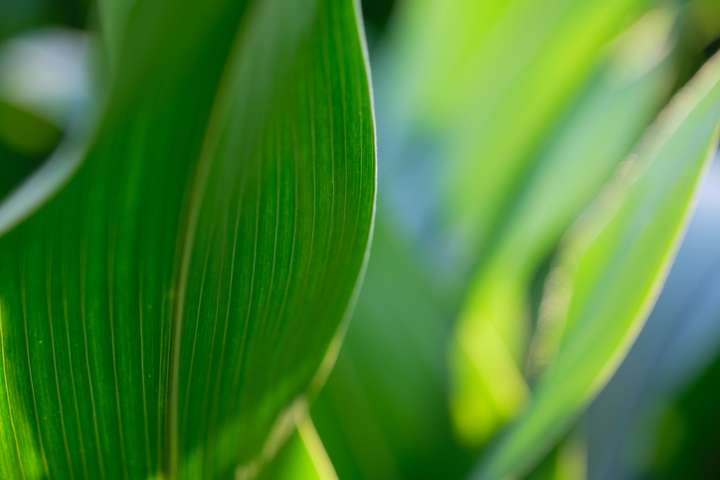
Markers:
point(576, 159)
point(611, 269)
point(398, 425)
point(182, 284)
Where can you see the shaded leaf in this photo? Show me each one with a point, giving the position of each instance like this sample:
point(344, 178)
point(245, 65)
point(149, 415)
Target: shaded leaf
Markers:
point(678, 340)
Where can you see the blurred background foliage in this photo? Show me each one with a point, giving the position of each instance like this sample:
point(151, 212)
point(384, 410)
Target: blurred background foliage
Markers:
point(498, 122)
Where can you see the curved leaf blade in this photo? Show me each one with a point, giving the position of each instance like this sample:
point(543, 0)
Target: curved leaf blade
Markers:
point(607, 119)
point(168, 303)
point(615, 262)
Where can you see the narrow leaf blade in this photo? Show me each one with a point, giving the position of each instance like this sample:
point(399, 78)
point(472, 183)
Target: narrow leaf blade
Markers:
point(615, 262)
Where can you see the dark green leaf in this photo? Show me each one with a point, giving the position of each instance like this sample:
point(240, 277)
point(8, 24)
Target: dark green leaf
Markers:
point(180, 291)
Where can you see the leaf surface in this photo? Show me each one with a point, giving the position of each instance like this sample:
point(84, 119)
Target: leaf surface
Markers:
point(181, 289)
point(611, 269)
point(571, 166)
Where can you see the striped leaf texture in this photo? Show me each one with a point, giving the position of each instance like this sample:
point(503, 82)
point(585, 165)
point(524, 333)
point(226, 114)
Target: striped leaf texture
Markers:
point(174, 286)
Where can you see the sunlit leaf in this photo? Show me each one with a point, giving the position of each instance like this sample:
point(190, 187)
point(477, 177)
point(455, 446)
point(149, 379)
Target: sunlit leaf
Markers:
point(572, 165)
point(677, 342)
point(611, 269)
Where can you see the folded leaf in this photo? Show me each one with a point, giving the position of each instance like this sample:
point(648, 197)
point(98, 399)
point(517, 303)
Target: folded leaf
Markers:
point(482, 84)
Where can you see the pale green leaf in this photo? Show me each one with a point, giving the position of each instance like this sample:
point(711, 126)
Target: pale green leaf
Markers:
point(611, 269)
point(607, 119)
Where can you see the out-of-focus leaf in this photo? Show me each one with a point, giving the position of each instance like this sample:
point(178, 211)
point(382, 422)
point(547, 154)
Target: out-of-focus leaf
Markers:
point(302, 457)
point(611, 270)
point(380, 438)
point(567, 461)
point(172, 298)
point(679, 340)
point(384, 410)
point(447, 54)
point(576, 159)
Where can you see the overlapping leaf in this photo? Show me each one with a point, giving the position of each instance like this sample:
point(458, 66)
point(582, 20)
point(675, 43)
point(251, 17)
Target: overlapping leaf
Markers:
point(611, 270)
point(572, 165)
point(302, 457)
point(484, 110)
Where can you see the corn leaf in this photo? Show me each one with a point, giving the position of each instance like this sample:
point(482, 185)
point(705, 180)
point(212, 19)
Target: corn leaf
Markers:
point(177, 286)
point(397, 378)
point(607, 119)
point(611, 269)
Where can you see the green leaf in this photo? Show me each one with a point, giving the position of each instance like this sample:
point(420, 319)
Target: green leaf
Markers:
point(394, 376)
point(611, 269)
point(687, 429)
point(493, 111)
point(181, 289)
point(606, 120)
